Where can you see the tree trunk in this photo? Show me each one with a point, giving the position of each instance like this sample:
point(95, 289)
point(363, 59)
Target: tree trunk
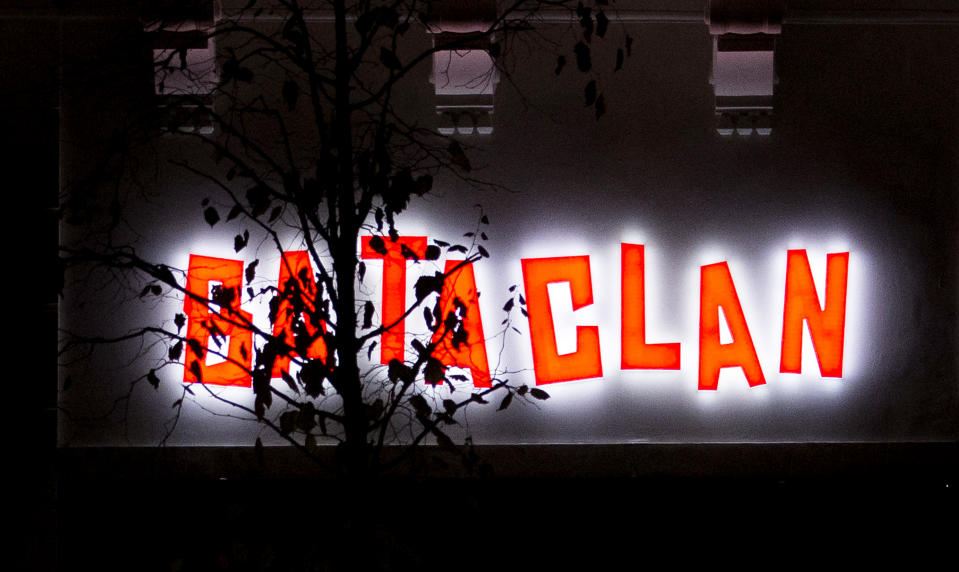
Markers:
point(344, 261)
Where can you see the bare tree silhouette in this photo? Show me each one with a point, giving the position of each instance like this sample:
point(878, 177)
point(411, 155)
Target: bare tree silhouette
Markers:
point(295, 103)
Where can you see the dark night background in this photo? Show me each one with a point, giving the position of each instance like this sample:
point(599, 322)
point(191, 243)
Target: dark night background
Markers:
point(221, 508)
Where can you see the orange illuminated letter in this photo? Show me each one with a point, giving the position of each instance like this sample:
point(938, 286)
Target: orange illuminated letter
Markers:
point(394, 256)
point(460, 285)
point(826, 323)
point(549, 366)
point(637, 354)
point(717, 290)
point(296, 288)
point(228, 322)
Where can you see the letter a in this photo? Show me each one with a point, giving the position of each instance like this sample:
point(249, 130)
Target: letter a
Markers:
point(460, 285)
point(717, 290)
point(297, 289)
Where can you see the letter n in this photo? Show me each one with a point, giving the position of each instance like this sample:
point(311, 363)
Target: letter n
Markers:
point(826, 322)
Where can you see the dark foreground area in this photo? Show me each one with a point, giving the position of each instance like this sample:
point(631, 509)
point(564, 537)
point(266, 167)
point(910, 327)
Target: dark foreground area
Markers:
point(557, 507)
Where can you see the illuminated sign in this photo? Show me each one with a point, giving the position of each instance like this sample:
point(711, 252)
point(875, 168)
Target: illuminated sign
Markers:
point(221, 281)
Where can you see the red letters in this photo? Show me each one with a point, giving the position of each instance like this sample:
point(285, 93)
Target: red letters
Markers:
point(394, 288)
point(717, 290)
point(637, 354)
point(215, 313)
point(549, 366)
point(201, 323)
point(826, 323)
point(296, 286)
point(461, 285)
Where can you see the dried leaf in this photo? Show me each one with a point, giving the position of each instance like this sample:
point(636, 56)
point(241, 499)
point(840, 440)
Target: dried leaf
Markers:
point(196, 370)
point(538, 393)
point(458, 157)
point(287, 422)
point(211, 216)
point(389, 59)
point(408, 253)
point(449, 406)
point(377, 244)
point(239, 243)
point(585, 20)
point(312, 374)
point(426, 285)
point(419, 404)
point(176, 351)
point(600, 106)
point(602, 24)
point(583, 58)
point(275, 213)
point(435, 371)
point(460, 337)
point(397, 370)
point(290, 382)
point(418, 346)
point(367, 315)
point(444, 441)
